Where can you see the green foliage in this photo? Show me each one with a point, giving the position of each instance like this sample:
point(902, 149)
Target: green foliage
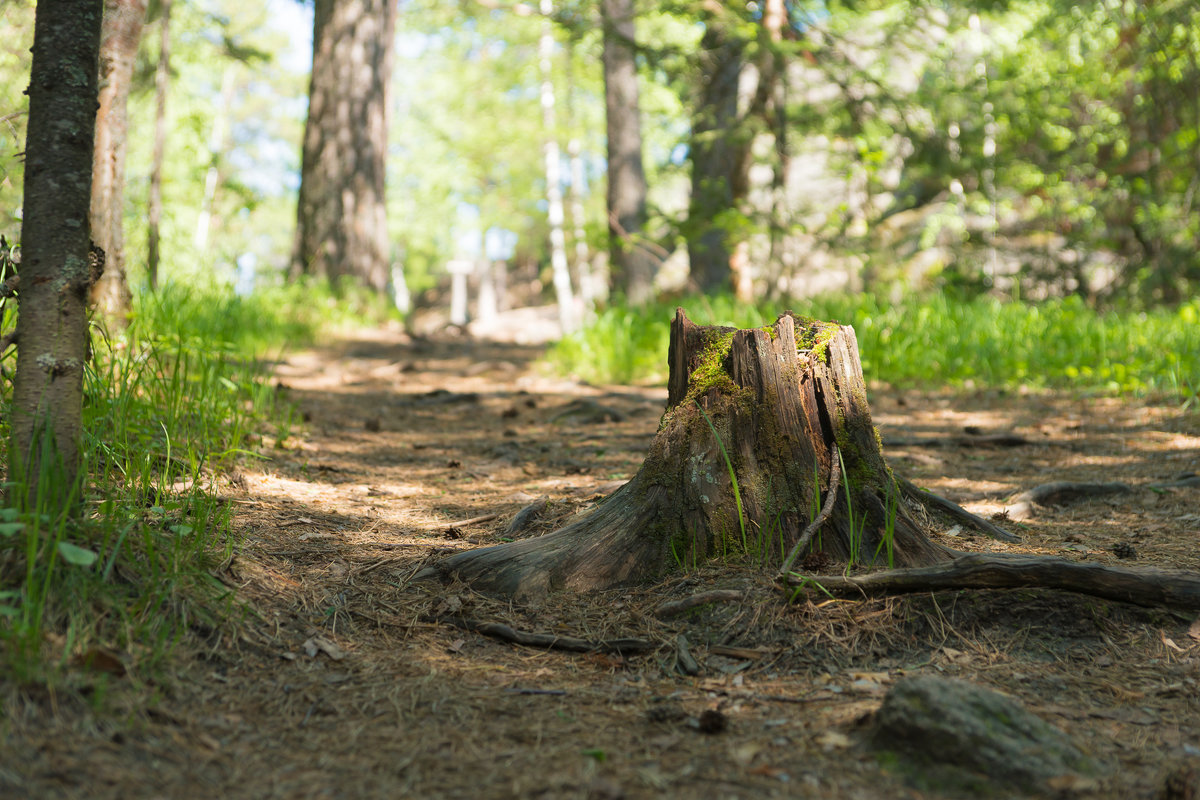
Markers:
point(1052, 139)
point(932, 340)
point(170, 406)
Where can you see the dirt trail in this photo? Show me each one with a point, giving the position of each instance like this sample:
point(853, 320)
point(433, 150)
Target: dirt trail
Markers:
point(337, 685)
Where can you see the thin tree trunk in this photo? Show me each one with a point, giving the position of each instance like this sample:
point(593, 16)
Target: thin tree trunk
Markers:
point(162, 78)
point(632, 264)
point(57, 266)
point(120, 34)
point(216, 144)
point(342, 211)
point(588, 290)
point(558, 245)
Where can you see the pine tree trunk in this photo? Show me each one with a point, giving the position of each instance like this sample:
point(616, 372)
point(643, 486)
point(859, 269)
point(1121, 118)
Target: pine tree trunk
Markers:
point(121, 32)
point(57, 269)
point(342, 212)
point(632, 264)
point(717, 158)
point(775, 408)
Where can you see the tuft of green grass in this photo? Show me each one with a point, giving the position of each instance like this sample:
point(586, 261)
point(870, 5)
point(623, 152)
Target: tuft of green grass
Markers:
point(170, 405)
point(932, 340)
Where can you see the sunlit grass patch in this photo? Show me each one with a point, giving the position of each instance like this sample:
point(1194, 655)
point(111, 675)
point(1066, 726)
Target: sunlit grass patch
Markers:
point(170, 405)
point(932, 341)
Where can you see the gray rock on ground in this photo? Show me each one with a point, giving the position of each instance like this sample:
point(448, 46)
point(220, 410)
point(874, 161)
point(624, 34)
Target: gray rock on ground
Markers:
point(957, 737)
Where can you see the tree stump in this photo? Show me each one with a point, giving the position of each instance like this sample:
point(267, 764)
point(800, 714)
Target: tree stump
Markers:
point(757, 420)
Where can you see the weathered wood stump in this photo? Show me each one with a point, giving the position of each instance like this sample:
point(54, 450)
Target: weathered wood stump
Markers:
point(757, 420)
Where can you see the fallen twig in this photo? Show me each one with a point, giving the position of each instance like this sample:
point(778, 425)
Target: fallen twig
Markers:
point(676, 607)
point(835, 476)
point(744, 653)
point(954, 510)
point(464, 522)
point(549, 641)
point(1060, 492)
point(683, 654)
point(1145, 586)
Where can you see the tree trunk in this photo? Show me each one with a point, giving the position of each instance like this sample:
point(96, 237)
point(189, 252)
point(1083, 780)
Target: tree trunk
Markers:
point(717, 158)
point(563, 295)
point(632, 264)
point(121, 32)
point(162, 77)
point(342, 213)
point(216, 149)
point(57, 268)
point(756, 421)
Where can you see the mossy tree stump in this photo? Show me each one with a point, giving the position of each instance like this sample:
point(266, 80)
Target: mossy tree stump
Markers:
point(755, 422)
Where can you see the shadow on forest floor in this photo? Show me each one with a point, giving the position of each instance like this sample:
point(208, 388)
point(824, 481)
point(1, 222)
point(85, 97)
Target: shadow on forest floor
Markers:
point(336, 684)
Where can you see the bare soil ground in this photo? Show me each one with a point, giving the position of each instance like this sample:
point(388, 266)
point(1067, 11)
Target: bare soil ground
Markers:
point(335, 683)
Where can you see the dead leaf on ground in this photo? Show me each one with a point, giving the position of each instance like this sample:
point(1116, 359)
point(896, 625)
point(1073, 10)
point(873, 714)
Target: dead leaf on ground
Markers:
point(833, 740)
point(319, 644)
point(1169, 642)
point(99, 659)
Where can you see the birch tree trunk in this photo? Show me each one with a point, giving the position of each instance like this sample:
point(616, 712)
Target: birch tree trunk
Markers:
point(216, 144)
point(554, 199)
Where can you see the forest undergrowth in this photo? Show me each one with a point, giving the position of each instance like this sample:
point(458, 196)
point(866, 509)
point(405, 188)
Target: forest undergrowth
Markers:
point(278, 648)
point(172, 402)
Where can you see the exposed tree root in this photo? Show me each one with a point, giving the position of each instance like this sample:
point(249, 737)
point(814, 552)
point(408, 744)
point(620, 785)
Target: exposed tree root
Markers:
point(1188, 481)
point(1058, 493)
point(1145, 586)
point(548, 641)
point(526, 517)
point(979, 440)
point(955, 511)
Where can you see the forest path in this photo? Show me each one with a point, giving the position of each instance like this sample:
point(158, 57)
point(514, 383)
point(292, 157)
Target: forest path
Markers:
point(337, 684)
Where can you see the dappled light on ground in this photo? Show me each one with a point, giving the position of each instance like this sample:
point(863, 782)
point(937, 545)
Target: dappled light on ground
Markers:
point(341, 680)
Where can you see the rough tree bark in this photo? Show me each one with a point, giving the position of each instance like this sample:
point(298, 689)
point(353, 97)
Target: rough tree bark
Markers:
point(57, 267)
point(341, 215)
point(774, 406)
point(632, 264)
point(717, 158)
point(121, 32)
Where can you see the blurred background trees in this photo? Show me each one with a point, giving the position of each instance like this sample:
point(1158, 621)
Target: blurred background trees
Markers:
point(1034, 149)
